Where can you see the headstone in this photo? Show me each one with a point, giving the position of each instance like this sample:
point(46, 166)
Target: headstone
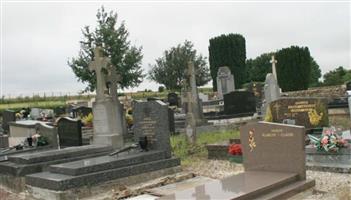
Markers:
point(48, 132)
point(7, 116)
point(239, 102)
point(35, 113)
point(271, 92)
point(173, 99)
point(348, 90)
point(303, 111)
point(59, 111)
point(274, 147)
point(171, 120)
point(203, 97)
point(225, 81)
point(70, 132)
point(107, 122)
point(81, 111)
point(151, 121)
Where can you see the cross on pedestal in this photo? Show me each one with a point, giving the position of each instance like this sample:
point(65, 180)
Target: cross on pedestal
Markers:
point(274, 61)
point(114, 78)
point(97, 65)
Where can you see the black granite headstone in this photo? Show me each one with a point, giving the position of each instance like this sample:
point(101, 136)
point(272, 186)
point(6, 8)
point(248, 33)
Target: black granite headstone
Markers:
point(239, 102)
point(7, 116)
point(151, 119)
point(70, 132)
point(173, 99)
point(171, 120)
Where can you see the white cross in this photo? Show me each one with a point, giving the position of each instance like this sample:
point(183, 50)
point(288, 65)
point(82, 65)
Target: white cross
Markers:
point(97, 65)
point(274, 61)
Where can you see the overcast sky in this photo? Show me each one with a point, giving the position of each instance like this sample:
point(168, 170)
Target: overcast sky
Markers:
point(37, 38)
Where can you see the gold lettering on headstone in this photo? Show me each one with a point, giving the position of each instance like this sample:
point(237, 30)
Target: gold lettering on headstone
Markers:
point(301, 106)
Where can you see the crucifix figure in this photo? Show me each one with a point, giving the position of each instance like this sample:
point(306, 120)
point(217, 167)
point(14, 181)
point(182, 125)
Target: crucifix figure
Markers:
point(274, 61)
point(97, 65)
point(114, 78)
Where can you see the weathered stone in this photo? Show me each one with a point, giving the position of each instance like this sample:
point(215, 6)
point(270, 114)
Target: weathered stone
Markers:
point(50, 133)
point(7, 116)
point(225, 81)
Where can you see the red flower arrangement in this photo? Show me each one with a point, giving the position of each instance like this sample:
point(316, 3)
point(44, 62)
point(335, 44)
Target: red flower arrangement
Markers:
point(235, 149)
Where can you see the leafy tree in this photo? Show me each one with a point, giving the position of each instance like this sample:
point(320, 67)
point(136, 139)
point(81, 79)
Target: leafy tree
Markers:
point(228, 50)
point(337, 76)
point(315, 74)
point(115, 44)
point(293, 68)
point(258, 68)
point(169, 69)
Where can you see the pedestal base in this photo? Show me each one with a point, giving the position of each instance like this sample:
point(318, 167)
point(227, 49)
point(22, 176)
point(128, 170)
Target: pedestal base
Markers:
point(116, 141)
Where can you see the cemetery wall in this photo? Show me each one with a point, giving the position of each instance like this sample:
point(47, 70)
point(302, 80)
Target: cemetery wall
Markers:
point(329, 92)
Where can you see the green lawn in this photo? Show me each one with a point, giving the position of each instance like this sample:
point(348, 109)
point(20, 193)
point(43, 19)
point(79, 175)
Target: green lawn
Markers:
point(40, 104)
point(188, 152)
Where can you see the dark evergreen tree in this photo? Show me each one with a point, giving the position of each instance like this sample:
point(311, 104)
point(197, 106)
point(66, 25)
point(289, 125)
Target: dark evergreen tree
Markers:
point(337, 76)
point(293, 68)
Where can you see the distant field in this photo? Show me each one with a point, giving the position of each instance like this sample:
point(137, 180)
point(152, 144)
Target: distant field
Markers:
point(41, 104)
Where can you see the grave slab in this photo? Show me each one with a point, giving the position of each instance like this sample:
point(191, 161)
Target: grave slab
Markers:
point(60, 182)
point(246, 185)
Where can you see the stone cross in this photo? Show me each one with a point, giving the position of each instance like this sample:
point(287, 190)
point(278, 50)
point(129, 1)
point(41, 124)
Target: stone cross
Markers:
point(274, 61)
point(97, 65)
point(114, 78)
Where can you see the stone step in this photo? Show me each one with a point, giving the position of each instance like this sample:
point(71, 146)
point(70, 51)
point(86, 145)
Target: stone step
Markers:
point(288, 190)
point(101, 163)
point(247, 185)
point(60, 182)
point(57, 154)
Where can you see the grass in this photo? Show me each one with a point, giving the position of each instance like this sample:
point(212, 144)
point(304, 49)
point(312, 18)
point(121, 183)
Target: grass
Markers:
point(189, 152)
point(41, 104)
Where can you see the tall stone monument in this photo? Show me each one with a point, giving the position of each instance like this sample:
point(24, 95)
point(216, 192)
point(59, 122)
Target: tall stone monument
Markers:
point(191, 101)
point(107, 124)
point(225, 81)
point(271, 88)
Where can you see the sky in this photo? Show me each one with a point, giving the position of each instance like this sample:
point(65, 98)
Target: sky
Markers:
point(37, 38)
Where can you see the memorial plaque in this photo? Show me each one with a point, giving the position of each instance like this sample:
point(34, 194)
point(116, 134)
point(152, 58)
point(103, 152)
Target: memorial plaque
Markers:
point(151, 120)
point(70, 132)
point(274, 147)
point(308, 112)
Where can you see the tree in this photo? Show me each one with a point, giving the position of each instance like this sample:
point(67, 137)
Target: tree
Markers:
point(258, 68)
point(293, 68)
point(228, 50)
point(115, 44)
point(169, 69)
point(315, 74)
point(337, 76)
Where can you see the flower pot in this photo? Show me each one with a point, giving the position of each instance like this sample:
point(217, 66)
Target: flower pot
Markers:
point(236, 158)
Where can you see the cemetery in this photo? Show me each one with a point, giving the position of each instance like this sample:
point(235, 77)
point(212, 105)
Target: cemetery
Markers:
point(260, 131)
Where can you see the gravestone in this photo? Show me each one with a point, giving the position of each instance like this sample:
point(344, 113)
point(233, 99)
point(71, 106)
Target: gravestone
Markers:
point(69, 131)
point(151, 121)
point(107, 122)
point(239, 102)
point(274, 162)
point(59, 111)
point(49, 132)
point(173, 99)
point(273, 147)
point(225, 81)
point(35, 113)
point(81, 111)
point(171, 120)
point(7, 116)
point(348, 90)
point(301, 111)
